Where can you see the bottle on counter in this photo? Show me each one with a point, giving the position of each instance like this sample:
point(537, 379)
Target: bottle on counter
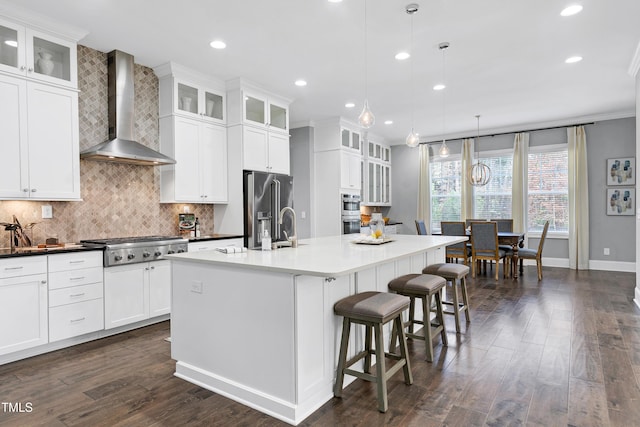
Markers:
point(266, 241)
point(197, 227)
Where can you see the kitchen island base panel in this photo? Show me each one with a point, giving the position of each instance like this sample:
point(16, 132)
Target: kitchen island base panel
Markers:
point(265, 335)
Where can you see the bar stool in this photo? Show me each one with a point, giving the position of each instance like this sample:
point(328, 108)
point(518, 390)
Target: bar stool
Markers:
point(456, 274)
point(423, 286)
point(372, 309)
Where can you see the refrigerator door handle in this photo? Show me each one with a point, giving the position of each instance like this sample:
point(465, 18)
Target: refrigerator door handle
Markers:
point(276, 209)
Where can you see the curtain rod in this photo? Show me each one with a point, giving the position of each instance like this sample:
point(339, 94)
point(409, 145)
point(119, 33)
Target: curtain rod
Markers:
point(439, 141)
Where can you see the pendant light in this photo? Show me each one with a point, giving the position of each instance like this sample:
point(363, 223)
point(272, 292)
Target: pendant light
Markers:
point(413, 140)
point(366, 118)
point(479, 174)
point(444, 150)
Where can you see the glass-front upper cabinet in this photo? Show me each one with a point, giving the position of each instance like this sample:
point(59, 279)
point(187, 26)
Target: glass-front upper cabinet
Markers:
point(194, 100)
point(37, 55)
point(263, 111)
point(351, 140)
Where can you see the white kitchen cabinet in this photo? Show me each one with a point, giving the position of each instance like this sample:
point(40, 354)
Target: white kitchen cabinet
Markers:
point(265, 151)
point(378, 174)
point(350, 171)
point(23, 303)
point(192, 131)
point(37, 55)
point(75, 294)
point(41, 159)
point(265, 111)
point(191, 94)
point(200, 151)
point(378, 184)
point(136, 292)
point(351, 140)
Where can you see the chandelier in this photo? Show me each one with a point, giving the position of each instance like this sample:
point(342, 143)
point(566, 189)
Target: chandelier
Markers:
point(366, 118)
point(479, 174)
point(413, 140)
point(444, 150)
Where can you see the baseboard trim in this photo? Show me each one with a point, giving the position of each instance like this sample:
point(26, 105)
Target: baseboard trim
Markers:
point(629, 267)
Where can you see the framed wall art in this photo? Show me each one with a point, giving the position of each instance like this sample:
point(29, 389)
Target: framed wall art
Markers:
point(621, 201)
point(621, 171)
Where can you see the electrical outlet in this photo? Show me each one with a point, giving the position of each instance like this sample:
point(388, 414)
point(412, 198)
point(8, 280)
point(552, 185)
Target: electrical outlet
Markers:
point(196, 287)
point(606, 251)
point(47, 212)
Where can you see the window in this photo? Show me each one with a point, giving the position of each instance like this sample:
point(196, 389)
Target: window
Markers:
point(446, 176)
point(548, 192)
point(494, 199)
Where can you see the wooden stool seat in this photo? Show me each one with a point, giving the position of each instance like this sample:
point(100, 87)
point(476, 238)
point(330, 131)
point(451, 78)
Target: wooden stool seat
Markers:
point(373, 309)
point(456, 274)
point(427, 287)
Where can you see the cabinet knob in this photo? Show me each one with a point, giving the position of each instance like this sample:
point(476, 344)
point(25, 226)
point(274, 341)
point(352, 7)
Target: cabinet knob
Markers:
point(33, 190)
point(22, 68)
point(30, 70)
point(25, 190)
point(44, 282)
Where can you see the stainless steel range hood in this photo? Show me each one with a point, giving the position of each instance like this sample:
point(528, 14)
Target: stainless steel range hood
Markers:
point(120, 147)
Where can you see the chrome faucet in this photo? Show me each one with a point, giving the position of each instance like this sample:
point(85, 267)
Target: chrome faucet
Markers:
point(294, 238)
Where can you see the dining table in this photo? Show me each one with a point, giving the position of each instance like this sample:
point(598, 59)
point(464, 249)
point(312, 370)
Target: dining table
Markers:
point(515, 240)
point(512, 238)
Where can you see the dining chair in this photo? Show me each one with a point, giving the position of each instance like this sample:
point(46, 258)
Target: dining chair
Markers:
point(459, 250)
point(421, 228)
point(504, 225)
point(484, 246)
point(468, 221)
point(527, 253)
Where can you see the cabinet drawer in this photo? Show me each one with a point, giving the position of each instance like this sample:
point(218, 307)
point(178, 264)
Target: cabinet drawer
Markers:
point(75, 294)
point(75, 319)
point(84, 276)
point(75, 261)
point(23, 266)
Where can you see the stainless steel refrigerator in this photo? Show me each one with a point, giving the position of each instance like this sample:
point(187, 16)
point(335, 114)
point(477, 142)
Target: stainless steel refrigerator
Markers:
point(265, 194)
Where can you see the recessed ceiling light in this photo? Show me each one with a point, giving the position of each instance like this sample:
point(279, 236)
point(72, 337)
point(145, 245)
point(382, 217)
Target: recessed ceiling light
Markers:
point(218, 44)
point(571, 10)
point(11, 43)
point(573, 59)
point(439, 86)
point(301, 82)
point(388, 122)
point(349, 105)
point(335, 1)
point(401, 56)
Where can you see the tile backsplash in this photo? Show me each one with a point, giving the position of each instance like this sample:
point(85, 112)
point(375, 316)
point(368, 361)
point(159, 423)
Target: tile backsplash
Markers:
point(118, 200)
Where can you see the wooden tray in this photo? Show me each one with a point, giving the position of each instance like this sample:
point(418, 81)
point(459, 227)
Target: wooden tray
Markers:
point(373, 242)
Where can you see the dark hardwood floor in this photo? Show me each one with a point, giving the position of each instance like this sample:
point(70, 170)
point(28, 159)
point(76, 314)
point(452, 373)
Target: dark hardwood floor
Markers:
point(561, 352)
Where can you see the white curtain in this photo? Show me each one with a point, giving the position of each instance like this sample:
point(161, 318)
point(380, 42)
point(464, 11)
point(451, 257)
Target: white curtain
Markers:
point(578, 199)
point(466, 192)
point(520, 181)
point(424, 188)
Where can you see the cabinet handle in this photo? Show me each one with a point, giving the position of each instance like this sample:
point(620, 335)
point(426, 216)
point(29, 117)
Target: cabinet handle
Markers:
point(44, 282)
point(79, 261)
point(33, 190)
point(25, 190)
point(153, 268)
point(76, 278)
point(76, 295)
point(14, 268)
point(76, 320)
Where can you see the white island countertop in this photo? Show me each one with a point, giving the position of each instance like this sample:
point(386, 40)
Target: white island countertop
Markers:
point(331, 256)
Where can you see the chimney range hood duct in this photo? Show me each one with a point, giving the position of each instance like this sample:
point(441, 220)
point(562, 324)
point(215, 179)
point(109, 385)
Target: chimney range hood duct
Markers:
point(120, 147)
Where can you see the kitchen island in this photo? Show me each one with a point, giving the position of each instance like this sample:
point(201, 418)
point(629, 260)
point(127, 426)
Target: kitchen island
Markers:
point(259, 328)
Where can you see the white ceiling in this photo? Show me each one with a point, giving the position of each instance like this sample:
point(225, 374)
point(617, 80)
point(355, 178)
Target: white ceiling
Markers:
point(506, 60)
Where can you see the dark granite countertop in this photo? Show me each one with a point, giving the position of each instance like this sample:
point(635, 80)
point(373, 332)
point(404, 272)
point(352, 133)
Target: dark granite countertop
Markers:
point(7, 253)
